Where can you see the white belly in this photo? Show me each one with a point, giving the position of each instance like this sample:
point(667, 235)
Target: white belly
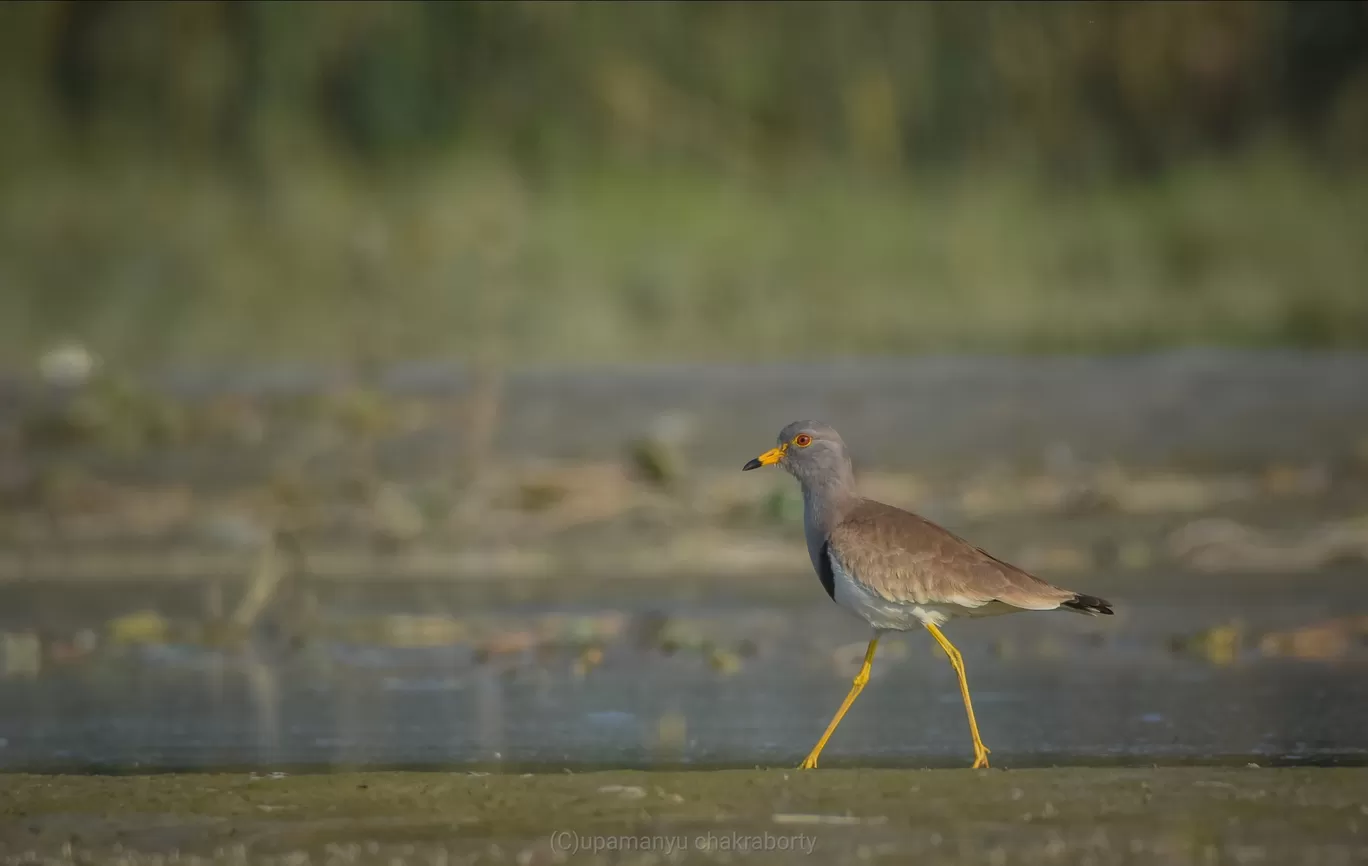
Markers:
point(882, 613)
point(902, 616)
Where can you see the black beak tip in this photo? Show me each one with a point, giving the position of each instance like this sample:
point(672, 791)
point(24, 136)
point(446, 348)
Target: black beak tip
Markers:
point(753, 464)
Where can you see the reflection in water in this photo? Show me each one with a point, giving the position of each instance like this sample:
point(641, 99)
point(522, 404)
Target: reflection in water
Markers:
point(1268, 671)
point(489, 713)
point(265, 701)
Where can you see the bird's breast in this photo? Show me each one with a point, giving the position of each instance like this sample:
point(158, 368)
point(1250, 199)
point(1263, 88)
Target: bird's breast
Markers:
point(851, 593)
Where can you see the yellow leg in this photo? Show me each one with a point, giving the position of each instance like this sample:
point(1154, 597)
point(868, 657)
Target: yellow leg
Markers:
point(956, 661)
point(810, 763)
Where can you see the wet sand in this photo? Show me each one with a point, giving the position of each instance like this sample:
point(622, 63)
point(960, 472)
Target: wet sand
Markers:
point(1096, 816)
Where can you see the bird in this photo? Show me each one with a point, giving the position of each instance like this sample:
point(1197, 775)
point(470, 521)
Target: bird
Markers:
point(896, 570)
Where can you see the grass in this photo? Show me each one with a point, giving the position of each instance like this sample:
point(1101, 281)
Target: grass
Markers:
point(152, 264)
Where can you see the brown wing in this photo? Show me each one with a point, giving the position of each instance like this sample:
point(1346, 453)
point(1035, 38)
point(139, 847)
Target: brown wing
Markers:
point(907, 558)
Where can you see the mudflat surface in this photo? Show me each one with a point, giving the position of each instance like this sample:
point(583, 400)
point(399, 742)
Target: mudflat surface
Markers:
point(426, 470)
point(1171, 815)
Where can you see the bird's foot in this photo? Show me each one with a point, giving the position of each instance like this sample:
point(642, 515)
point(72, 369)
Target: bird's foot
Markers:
point(809, 763)
point(980, 758)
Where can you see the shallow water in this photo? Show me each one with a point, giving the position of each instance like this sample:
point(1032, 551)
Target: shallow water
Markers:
point(691, 674)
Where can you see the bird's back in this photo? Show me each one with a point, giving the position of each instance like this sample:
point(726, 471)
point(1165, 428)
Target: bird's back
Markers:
point(905, 558)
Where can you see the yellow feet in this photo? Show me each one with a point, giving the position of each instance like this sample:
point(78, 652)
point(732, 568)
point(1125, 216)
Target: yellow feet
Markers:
point(810, 762)
point(980, 758)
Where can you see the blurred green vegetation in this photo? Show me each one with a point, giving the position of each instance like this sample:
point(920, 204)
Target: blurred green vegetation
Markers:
point(605, 182)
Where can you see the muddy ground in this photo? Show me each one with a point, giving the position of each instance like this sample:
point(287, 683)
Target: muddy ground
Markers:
point(1171, 815)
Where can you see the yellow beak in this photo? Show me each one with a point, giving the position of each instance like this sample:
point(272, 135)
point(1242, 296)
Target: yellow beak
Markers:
point(769, 458)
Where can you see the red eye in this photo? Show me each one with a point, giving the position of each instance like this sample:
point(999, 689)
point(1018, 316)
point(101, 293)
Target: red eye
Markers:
point(802, 440)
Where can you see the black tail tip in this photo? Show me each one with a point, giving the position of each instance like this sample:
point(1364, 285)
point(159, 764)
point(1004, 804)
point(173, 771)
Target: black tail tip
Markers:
point(1089, 604)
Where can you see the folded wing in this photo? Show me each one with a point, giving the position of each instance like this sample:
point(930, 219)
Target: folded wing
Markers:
point(906, 558)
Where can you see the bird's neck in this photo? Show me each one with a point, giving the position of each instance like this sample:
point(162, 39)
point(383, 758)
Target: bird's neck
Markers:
point(826, 500)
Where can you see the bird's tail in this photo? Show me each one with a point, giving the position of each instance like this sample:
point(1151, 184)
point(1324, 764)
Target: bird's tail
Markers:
point(1089, 604)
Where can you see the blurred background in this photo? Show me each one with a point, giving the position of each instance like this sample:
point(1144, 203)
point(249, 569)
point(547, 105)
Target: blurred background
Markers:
point(375, 377)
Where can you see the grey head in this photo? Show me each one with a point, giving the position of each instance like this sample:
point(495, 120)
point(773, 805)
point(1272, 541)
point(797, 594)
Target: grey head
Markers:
point(815, 454)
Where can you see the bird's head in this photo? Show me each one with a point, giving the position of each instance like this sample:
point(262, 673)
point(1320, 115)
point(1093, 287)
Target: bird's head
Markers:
point(809, 451)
